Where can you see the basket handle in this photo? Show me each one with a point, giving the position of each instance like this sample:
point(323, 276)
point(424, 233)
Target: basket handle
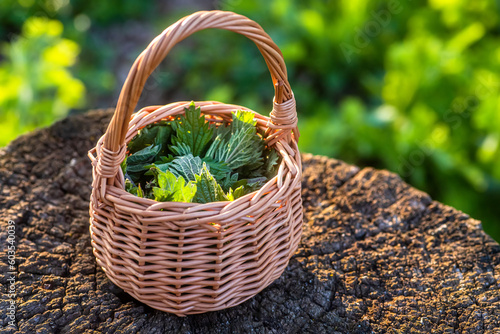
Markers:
point(283, 116)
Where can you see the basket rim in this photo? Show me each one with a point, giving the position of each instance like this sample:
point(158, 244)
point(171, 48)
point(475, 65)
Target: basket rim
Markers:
point(154, 206)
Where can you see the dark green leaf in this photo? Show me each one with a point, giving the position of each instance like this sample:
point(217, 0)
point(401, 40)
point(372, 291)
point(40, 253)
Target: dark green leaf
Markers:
point(208, 190)
point(228, 181)
point(192, 133)
point(243, 147)
point(217, 168)
point(186, 166)
point(143, 156)
point(272, 163)
point(157, 133)
point(138, 162)
point(133, 189)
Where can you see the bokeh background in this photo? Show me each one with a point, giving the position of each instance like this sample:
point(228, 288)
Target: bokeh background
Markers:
point(410, 86)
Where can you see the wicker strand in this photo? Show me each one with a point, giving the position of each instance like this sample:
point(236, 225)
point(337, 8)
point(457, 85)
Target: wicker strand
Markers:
point(283, 121)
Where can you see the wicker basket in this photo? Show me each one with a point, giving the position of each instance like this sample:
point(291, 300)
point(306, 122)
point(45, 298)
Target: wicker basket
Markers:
point(187, 258)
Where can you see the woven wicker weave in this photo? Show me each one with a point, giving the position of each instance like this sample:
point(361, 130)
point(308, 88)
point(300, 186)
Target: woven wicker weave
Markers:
point(187, 258)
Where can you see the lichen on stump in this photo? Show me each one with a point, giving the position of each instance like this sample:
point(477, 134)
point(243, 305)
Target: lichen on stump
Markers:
point(376, 255)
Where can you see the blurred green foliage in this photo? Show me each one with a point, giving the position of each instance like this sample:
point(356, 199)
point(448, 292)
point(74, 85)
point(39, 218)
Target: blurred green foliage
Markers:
point(37, 86)
point(411, 86)
point(408, 86)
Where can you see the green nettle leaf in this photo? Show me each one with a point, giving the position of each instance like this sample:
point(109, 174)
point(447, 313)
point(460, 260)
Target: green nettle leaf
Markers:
point(148, 188)
point(133, 189)
point(208, 189)
point(218, 169)
point(250, 184)
point(245, 186)
point(161, 164)
point(144, 156)
point(168, 158)
point(162, 167)
point(136, 178)
point(128, 185)
point(123, 165)
point(163, 138)
point(157, 133)
point(272, 163)
point(192, 133)
point(251, 170)
point(236, 193)
point(243, 147)
point(139, 191)
point(162, 195)
point(136, 169)
point(129, 179)
point(205, 162)
point(186, 166)
point(243, 120)
point(223, 131)
point(228, 181)
point(173, 189)
point(256, 181)
point(181, 149)
point(138, 163)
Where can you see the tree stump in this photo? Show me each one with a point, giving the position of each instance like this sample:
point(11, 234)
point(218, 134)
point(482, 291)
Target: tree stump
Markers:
point(376, 255)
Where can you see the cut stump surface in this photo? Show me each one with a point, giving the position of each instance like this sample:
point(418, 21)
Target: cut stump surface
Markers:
point(376, 255)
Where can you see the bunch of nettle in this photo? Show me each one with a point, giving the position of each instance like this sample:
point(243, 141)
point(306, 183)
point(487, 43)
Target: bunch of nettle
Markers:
point(189, 159)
